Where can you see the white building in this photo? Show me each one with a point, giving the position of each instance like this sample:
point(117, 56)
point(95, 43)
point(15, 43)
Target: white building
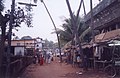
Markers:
point(20, 46)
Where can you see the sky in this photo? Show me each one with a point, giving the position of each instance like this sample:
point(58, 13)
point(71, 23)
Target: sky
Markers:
point(42, 25)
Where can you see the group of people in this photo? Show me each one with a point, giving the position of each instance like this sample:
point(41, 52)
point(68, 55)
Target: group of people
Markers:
point(73, 56)
point(41, 58)
point(49, 57)
point(38, 58)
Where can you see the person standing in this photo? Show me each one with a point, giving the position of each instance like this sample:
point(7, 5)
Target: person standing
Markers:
point(78, 60)
point(85, 59)
point(41, 59)
point(35, 59)
point(52, 59)
point(49, 58)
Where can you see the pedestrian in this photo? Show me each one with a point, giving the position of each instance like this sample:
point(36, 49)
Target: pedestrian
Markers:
point(49, 58)
point(78, 60)
point(69, 56)
point(41, 59)
point(85, 63)
point(35, 59)
point(85, 59)
point(38, 58)
point(52, 57)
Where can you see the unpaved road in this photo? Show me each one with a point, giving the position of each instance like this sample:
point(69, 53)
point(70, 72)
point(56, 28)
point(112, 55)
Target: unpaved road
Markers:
point(59, 70)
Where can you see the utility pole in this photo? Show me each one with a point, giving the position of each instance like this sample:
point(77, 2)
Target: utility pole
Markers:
point(54, 28)
point(92, 25)
point(92, 28)
point(9, 39)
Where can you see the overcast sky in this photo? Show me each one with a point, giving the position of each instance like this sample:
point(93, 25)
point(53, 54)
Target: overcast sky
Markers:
point(41, 21)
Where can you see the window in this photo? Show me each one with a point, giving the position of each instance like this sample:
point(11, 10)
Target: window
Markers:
point(18, 44)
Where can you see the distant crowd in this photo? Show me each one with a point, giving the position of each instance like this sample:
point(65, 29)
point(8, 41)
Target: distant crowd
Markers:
point(43, 57)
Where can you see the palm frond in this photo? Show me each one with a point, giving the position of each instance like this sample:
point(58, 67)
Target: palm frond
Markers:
point(67, 26)
point(84, 33)
point(35, 1)
point(58, 31)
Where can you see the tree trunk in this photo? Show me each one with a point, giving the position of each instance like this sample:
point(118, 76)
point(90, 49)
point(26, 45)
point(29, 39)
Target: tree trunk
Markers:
point(2, 42)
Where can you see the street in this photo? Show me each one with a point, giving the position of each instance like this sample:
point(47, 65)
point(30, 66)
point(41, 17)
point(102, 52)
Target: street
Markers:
point(60, 70)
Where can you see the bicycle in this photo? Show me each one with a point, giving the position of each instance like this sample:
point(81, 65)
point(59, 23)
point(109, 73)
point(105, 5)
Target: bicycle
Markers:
point(111, 69)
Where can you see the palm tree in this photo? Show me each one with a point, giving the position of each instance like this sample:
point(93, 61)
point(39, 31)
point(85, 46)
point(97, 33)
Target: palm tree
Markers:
point(66, 34)
point(86, 35)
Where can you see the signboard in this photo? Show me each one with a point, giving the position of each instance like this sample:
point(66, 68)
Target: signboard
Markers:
point(19, 51)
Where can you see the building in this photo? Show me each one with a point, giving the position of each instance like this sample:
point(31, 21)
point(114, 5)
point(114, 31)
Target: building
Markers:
point(106, 19)
point(26, 46)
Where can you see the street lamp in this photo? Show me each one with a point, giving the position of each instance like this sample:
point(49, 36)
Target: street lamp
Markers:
point(55, 29)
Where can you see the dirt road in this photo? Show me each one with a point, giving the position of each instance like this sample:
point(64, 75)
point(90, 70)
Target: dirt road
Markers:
point(59, 70)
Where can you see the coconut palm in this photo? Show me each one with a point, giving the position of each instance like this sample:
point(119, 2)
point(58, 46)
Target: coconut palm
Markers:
point(86, 35)
point(66, 34)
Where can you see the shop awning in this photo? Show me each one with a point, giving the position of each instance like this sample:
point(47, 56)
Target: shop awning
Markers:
point(115, 34)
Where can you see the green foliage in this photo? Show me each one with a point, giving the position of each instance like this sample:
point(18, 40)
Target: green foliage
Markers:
point(66, 34)
point(86, 35)
point(48, 44)
point(20, 15)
